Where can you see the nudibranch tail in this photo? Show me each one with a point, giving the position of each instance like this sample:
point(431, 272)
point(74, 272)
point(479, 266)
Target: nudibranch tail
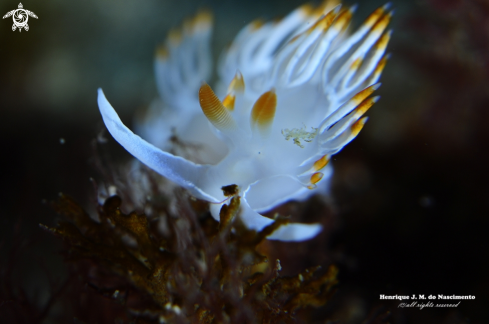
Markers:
point(292, 232)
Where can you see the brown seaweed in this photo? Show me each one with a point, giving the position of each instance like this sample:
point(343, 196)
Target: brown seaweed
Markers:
point(198, 271)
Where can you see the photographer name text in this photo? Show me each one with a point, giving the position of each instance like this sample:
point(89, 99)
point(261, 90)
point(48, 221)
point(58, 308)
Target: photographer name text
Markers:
point(422, 301)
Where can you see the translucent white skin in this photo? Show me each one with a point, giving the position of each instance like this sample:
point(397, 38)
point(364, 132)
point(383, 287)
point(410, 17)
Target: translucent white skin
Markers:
point(314, 78)
point(195, 178)
point(179, 74)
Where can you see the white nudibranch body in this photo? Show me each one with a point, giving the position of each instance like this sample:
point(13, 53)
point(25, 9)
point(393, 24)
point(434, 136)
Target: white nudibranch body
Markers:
point(297, 92)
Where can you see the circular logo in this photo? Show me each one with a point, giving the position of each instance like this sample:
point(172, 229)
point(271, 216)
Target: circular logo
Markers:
point(20, 17)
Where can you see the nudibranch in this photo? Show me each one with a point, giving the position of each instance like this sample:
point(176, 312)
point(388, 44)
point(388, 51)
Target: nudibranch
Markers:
point(297, 91)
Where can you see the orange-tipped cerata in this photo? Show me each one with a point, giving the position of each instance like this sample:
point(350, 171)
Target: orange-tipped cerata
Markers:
point(357, 126)
point(316, 177)
point(365, 106)
point(374, 17)
point(381, 25)
point(321, 163)
point(343, 19)
point(359, 97)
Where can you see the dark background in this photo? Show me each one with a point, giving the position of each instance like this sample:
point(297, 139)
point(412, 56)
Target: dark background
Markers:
point(410, 195)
